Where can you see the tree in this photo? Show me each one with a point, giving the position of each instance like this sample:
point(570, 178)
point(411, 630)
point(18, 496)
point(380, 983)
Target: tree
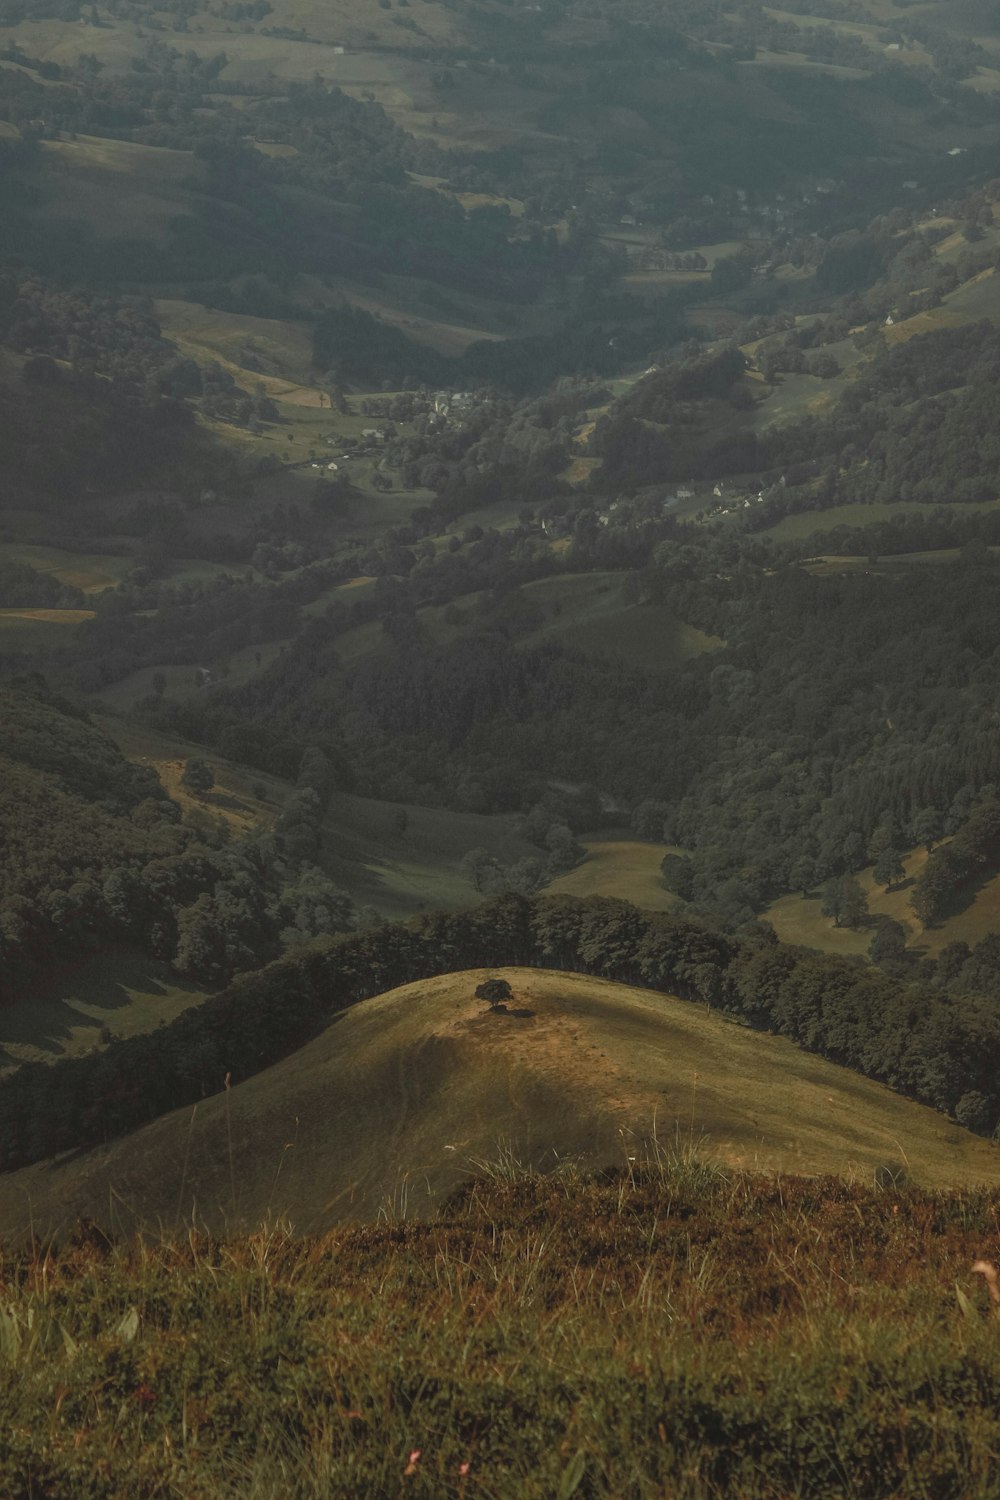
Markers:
point(732, 272)
point(889, 868)
point(198, 777)
point(888, 947)
point(926, 827)
point(844, 901)
point(648, 819)
point(678, 875)
point(976, 1112)
point(495, 991)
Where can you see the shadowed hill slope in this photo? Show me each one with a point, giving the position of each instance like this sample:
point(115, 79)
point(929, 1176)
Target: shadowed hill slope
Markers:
point(399, 1099)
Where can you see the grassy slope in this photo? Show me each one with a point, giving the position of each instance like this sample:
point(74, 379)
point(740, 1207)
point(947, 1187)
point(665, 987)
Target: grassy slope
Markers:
point(588, 612)
point(398, 874)
point(403, 1092)
point(39, 629)
point(798, 919)
point(808, 523)
point(126, 992)
point(92, 572)
point(625, 868)
point(667, 1334)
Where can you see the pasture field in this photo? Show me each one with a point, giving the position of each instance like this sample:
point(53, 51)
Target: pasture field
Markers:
point(627, 869)
point(117, 188)
point(93, 572)
point(39, 629)
point(589, 612)
point(124, 694)
point(403, 1093)
point(124, 992)
point(397, 874)
point(914, 54)
point(276, 352)
point(968, 303)
point(798, 919)
point(807, 523)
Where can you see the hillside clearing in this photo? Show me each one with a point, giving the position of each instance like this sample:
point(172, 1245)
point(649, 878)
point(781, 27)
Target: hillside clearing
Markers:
point(124, 992)
point(93, 572)
point(624, 868)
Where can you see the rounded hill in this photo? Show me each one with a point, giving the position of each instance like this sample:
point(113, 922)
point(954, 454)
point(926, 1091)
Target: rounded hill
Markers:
point(409, 1093)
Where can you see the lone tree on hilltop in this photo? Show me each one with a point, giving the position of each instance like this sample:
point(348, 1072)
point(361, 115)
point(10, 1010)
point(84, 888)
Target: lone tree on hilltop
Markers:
point(495, 991)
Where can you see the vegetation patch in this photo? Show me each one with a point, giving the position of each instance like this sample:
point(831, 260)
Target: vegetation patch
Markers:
point(650, 1332)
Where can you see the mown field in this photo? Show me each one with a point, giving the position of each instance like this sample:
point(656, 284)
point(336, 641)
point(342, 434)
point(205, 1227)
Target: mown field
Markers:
point(39, 629)
point(591, 612)
point(807, 523)
point(90, 571)
point(624, 868)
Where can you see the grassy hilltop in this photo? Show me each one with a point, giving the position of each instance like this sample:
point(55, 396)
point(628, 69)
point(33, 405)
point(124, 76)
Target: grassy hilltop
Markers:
point(398, 1101)
point(663, 1330)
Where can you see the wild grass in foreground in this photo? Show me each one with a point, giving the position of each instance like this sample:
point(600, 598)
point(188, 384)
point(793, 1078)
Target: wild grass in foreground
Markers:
point(665, 1330)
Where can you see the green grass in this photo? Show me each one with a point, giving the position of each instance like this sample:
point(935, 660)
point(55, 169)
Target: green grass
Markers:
point(116, 187)
point(39, 629)
point(798, 919)
point(624, 868)
point(397, 874)
point(588, 611)
point(807, 523)
point(93, 572)
point(125, 992)
point(665, 1331)
point(405, 1092)
point(419, 870)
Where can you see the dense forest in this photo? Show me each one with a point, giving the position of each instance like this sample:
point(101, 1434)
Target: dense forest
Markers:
point(96, 854)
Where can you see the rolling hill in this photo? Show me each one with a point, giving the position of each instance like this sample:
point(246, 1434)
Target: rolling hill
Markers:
point(409, 1093)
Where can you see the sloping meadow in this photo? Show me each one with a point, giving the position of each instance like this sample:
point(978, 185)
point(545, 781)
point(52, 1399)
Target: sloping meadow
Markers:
point(663, 1329)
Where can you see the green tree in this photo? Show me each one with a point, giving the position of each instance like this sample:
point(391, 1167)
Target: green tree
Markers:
point(887, 948)
point(926, 827)
point(889, 868)
point(198, 777)
point(495, 991)
point(843, 899)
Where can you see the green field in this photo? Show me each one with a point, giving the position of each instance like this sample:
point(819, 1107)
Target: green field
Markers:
point(589, 612)
point(126, 993)
point(624, 868)
point(798, 919)
point(39, 629)
point(807, 523)
point(93, 572)
point(399, 874)
point(401, 1096)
